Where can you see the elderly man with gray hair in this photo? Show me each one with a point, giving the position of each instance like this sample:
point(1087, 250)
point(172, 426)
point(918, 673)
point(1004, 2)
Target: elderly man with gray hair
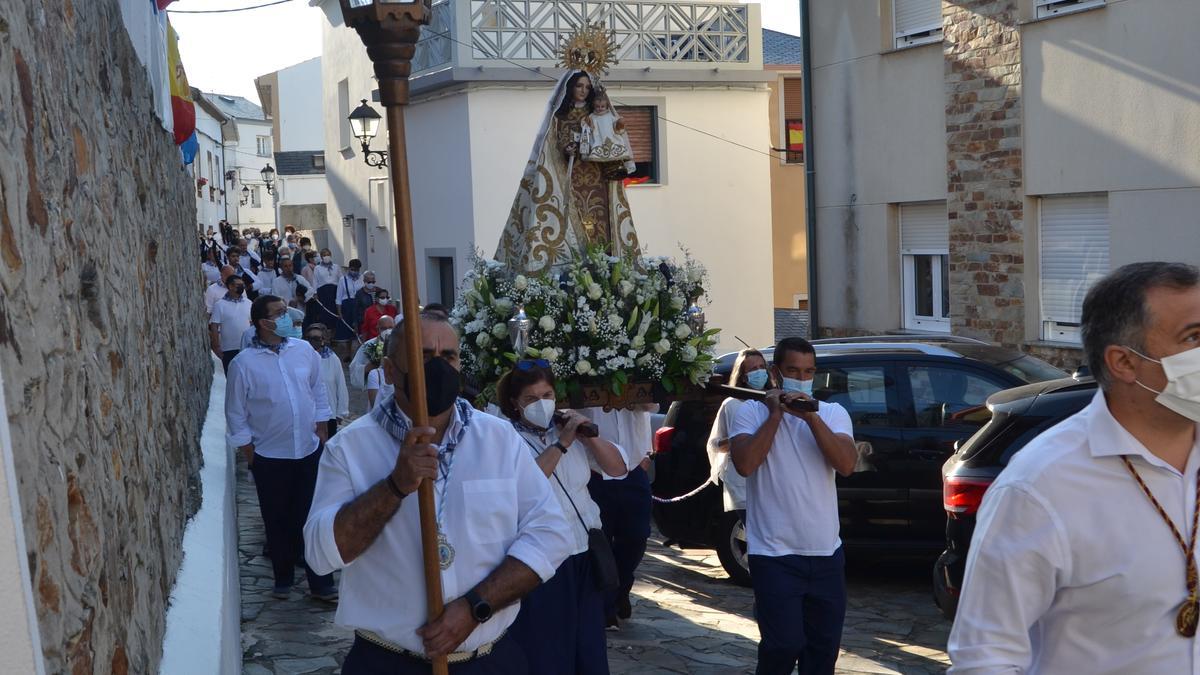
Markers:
point(1083, 559)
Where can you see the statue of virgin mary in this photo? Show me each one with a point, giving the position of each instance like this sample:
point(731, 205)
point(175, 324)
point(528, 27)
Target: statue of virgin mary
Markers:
point(565, 203)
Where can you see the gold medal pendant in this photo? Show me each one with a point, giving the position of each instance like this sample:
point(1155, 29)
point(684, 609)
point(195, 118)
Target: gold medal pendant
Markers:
point(446, 558)
point(1186, 619)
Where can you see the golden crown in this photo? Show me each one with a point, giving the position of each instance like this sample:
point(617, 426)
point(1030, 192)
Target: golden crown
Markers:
point(591, 49)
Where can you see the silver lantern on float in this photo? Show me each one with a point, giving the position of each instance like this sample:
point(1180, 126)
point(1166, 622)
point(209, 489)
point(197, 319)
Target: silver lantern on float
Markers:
point(518, 331)
point(695, 318)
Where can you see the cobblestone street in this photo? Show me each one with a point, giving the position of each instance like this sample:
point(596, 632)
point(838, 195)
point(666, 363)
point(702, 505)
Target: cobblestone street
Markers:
point(687, 617)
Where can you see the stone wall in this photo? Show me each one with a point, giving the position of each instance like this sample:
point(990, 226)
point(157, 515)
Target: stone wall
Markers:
point(984, 195)
point(102, 349)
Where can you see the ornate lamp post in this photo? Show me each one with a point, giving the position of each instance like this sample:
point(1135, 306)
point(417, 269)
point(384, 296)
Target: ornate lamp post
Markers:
point(268, 176)
point(364, 124)
point(245, 195)
point(390, 30)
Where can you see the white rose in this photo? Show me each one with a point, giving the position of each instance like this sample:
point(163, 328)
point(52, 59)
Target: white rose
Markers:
point(615, 321)
point(676, 303)
point(520, 283)
point(546, 323)
point(550, 354)
point(594, 291)
point(483, 340)
point(688, 353)
point(625, 287)
point(503, 306)
point(639, 342)
point(583, 367)
point(500, 331)
point(682, 331)
point(662, 346)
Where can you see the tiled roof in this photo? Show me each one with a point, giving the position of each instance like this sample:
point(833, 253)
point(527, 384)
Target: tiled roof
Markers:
point(781, 48)
point(790, 323)
point(299, 163)
point(235, 106)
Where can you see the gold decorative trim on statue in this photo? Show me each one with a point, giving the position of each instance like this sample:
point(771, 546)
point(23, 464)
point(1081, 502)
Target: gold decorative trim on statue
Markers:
point(591, 49)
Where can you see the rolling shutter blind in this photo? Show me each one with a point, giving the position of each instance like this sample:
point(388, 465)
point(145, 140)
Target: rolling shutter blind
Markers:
point(916, 16)
point(924, 228)
point(639, 124)
point(793, 99)
point(1074, 253)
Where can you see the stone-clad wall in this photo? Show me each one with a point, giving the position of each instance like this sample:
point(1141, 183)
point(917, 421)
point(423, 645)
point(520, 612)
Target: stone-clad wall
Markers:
point(102, 349)
point(985, 193)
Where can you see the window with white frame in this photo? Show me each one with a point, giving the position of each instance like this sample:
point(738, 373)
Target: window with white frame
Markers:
point(916, 22)
point(1047, 9)
point(255, 198)
point(925, 258)
point(264, 146)
point(641, 123)
point(1073, 248)
point(343, 113)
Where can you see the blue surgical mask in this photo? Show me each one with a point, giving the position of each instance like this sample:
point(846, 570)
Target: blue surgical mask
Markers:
point(757, 379)
point(284, 326)
point(802, 386)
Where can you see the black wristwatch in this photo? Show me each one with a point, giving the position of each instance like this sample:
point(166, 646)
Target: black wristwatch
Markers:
point(480, 608)
point(560, 446)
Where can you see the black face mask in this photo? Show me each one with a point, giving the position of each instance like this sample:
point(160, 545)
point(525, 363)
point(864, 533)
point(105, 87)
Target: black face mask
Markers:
point(442, 385)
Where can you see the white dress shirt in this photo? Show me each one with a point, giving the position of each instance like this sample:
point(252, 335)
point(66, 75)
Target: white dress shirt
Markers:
point(335, 383)
point(212, 273)
point(629, 430)
point(232, 318)
point(286, 288)
point(274, 400)
point(348, 288)
point(791, 498)
point(325, 275)
point(376, 381)
point(733, 485)
point(212, 294)
point(574, 470)
point(267, 277)
point(1071, 569)
point(358, 365)
point(497, 503)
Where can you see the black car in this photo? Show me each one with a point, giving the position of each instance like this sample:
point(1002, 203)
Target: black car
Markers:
point(910, 399)
point(1018, 416)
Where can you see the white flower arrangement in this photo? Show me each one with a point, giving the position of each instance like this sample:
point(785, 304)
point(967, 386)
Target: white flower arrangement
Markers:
point(599, 320)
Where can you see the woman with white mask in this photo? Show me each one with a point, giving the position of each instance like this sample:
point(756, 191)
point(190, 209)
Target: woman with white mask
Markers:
point(560, 626)
point(750, 371)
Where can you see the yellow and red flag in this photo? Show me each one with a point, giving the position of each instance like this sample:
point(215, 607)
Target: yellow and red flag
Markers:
point(183, 109)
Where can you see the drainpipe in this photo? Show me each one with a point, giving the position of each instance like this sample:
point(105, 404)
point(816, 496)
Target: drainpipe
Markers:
point(810, 171)
point(223, 180)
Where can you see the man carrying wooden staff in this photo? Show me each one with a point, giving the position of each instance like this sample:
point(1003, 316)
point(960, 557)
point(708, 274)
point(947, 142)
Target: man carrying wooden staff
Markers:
point(501, 530)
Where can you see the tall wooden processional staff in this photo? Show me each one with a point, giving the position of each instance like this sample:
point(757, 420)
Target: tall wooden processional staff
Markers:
point(390, 30)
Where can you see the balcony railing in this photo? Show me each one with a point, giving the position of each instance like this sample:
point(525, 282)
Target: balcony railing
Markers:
point(663, 33)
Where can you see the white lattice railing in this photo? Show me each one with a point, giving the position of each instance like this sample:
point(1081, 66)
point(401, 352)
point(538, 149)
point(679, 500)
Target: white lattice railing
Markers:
point(679, 33)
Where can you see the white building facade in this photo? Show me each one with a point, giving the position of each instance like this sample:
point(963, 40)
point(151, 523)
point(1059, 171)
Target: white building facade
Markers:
point(700, 87)
point(249, 145)
point(208, 168)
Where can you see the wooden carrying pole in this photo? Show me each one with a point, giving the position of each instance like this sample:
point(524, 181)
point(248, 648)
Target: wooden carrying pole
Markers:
point(390, 31)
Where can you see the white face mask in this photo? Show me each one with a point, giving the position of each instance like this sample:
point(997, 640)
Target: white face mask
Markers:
point(539, 413)
point(382, 301)
point(327, 259)
point(802, 386)
point(1182, 393)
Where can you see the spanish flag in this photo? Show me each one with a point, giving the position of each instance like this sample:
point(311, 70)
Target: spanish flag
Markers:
point(183, 109)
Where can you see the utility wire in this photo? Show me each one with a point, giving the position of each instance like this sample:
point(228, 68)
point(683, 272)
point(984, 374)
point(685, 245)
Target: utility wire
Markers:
point(535, 71)
point(225, 11)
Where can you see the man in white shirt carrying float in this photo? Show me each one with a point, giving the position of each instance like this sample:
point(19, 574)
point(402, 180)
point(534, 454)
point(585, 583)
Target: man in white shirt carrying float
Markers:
point(276, 411)
point(502, 529)
point(1083, 556)
point(789, 457)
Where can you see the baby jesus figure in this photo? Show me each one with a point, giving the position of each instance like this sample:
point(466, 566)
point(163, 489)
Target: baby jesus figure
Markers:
point(603, 139)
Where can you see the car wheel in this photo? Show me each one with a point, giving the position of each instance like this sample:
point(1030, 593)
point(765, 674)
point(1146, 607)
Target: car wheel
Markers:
point(731, 547)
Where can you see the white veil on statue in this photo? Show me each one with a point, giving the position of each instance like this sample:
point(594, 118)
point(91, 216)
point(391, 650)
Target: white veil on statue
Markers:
point(547, 222)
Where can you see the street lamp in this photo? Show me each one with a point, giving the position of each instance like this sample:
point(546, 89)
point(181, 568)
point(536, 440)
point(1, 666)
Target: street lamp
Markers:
point(245, 195)
point(364, 124)
point(268, 176)
point(390, 30)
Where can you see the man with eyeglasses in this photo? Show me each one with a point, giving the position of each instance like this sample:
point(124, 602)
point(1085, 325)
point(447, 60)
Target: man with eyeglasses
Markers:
point(230, 318)
point(276, 413)
point(501, 529)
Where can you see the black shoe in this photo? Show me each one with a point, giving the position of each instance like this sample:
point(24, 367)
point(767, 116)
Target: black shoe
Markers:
point(624, 609)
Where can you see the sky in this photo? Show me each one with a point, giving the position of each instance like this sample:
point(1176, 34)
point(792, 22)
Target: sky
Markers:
point(223, 53)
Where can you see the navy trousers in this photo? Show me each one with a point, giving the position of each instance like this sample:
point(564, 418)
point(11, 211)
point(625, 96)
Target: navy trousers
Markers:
point(800, 604)
point(227, 358)
point(625, 513)
point(560, 627)
point(366, 658)
point(285, 492)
